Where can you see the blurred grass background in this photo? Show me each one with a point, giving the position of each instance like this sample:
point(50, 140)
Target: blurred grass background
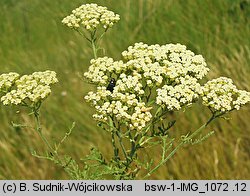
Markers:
point(32, 38)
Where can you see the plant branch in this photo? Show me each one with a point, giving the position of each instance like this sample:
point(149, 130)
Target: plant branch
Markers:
point(181, 143)
point(93, 44)
point(122, 145)
point(39, 131)
point(114, 146)
point(65, 137)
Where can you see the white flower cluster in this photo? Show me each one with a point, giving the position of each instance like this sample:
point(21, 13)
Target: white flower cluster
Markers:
point(173, 68)
point(129, 84)
point(102, 68)
point(169, 75)
point(34, 87)
point(174, 97)
point(156, 63)
point(125, 107)
point(222, 95)
point(7, 80)
point(152, 71)
point(90, 16)
point(175, 59)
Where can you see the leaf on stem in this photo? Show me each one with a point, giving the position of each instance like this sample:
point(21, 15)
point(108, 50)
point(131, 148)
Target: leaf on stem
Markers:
point(65, 137)
point(202, 138)
point(18, 125)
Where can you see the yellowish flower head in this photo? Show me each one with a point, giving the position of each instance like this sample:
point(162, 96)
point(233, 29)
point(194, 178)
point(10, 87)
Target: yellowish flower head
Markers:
point(32, 88)
point(167, 76)
point(221, 94)
point(90, 17)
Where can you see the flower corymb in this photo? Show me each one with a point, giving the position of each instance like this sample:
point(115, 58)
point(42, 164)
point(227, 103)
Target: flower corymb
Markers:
point(33, 88)
point(90, 16)
point(166, 76)
point(222, 95)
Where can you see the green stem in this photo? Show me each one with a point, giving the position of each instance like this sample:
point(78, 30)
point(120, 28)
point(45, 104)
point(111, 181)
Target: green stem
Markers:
point(39, 131)
point(114, 146)
point(165, 160)
point(94, 48)
point(55, 156)
point(122, 146)
point(93, 43)
point(83, 35)
point(93, 39)
point(149, 94)
point(133, 146)
point(65, 137)
point(183, 141)
point(99, 38)
point(157, 118)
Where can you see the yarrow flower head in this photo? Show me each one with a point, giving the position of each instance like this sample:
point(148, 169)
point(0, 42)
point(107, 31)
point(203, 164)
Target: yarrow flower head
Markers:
point(171, 60)
point(168, 74)
point(124, 107)
point(175, 96)
point(222, 95)
point(90, 17)
point(33, 88)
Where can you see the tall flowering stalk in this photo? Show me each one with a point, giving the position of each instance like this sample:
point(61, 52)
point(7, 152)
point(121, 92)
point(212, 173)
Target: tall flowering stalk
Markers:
point(91, 21)
point(30, 91)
